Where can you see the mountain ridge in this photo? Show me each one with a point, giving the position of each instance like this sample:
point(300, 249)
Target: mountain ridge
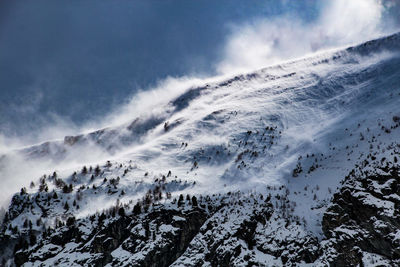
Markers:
point(263, 158)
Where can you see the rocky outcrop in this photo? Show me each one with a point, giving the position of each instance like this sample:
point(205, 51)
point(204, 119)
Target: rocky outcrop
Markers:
point(364, 217)
point(237, 234)
point(222, 230)
point(169, 232)
point(361, 223)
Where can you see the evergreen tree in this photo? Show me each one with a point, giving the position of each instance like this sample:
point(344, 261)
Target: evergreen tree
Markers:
point(70, 221)
point(137, 209)
point(32, 239)
point(97, 170)
point(66, 189)
point(84, 170)
point(180, 201)
point(23, 191)
point(194, 201)
point(121, 212)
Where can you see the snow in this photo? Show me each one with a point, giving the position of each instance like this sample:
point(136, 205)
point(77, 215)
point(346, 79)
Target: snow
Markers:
point(167, 228)
point(245, 133)
point(386, 207)
point(178, 218)
point(372, 260)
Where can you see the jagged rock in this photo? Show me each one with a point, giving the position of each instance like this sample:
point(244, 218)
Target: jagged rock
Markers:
point(175, 235)
point(364, 216)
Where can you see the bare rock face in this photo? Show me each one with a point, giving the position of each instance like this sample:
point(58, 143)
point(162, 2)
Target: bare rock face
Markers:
point(364, 217)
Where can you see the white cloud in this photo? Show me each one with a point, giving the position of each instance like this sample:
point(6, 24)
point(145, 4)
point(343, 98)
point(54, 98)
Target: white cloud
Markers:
point(351, 21)
point(269, 41)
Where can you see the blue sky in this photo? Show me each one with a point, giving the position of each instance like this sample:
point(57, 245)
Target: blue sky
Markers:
point(77, 61)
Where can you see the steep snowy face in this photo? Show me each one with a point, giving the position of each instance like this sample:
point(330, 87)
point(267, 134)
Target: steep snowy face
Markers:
point(293, 130)
point(251, 129)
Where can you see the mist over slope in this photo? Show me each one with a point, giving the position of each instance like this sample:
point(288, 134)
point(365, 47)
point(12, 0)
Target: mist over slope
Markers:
point(274, 144)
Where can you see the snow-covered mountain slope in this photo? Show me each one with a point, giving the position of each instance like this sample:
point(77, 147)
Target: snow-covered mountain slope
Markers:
point(259, 157)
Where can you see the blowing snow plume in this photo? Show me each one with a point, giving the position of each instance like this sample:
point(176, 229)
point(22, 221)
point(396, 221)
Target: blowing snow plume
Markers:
point(267, 41)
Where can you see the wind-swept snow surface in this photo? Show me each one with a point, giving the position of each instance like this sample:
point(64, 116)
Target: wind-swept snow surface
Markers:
point(284, 136)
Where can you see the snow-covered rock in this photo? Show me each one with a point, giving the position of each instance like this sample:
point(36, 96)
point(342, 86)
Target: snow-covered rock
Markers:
point(294, 164)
